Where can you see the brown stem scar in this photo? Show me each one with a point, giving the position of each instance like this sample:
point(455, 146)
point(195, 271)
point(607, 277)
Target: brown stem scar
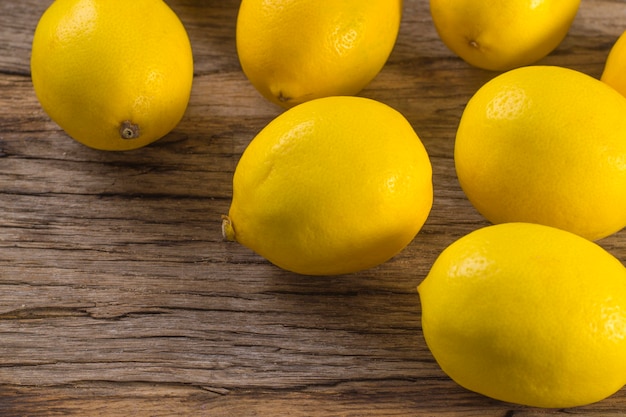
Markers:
point(282, 98)
point(129, 130)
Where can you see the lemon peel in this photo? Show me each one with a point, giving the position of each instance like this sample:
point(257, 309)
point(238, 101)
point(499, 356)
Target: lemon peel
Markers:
point(502, 35)
point(294, 51)
point(331, 186)
point(545, 144)
point(528, 314)
point(110, 75)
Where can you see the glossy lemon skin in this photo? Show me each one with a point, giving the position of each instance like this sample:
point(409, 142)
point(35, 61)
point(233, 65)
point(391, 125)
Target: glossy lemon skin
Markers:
point(528, 314)
point(332, 186)
point(293, 51)
point(547, 145)
point(500, 35)
point(614, 73)
point(114, 74)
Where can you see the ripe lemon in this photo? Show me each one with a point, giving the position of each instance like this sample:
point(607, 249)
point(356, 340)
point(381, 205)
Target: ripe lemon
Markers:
point(528, 314)
point(331, 186)
point(500, 35)
point(297, 50)
point(614, 73)
point(546, 145)
point(114, 74)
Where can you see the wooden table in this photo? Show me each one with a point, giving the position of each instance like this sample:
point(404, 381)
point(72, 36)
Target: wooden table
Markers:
point(118, 295)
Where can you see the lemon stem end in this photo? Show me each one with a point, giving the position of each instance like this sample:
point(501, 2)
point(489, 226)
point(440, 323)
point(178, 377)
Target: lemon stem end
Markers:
point(228, 232)
point(129, 130)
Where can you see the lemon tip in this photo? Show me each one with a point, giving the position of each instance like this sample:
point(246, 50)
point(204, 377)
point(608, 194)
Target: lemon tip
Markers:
point(228, 232)
point(129, 130)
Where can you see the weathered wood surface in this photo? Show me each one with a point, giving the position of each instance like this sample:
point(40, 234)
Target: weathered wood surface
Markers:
point(118, 295)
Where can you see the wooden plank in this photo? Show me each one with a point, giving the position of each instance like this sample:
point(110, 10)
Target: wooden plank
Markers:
point(118, 295)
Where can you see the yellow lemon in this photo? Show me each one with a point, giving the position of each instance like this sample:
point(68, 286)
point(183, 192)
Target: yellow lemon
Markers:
point(546, 145)
point(297, 50)
point(114, 74)
point(528, 314)
point(614, 73)
point(331, 186)
point(502, 34)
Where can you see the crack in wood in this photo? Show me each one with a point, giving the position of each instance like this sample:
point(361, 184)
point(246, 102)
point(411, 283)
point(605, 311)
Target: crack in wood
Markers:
point(43, 312)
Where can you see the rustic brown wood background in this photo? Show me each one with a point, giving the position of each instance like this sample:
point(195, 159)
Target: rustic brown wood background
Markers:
point(118, 295)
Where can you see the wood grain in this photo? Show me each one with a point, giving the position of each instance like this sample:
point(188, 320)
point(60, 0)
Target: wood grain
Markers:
point(118, 295)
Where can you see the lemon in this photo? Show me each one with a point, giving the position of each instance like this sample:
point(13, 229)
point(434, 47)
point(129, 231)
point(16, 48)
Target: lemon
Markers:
point(614, 73)
point(297, 50)
point(114, 74)
point(546, 145)
point(500, 35)
point(331, 186)
point(528, 314)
